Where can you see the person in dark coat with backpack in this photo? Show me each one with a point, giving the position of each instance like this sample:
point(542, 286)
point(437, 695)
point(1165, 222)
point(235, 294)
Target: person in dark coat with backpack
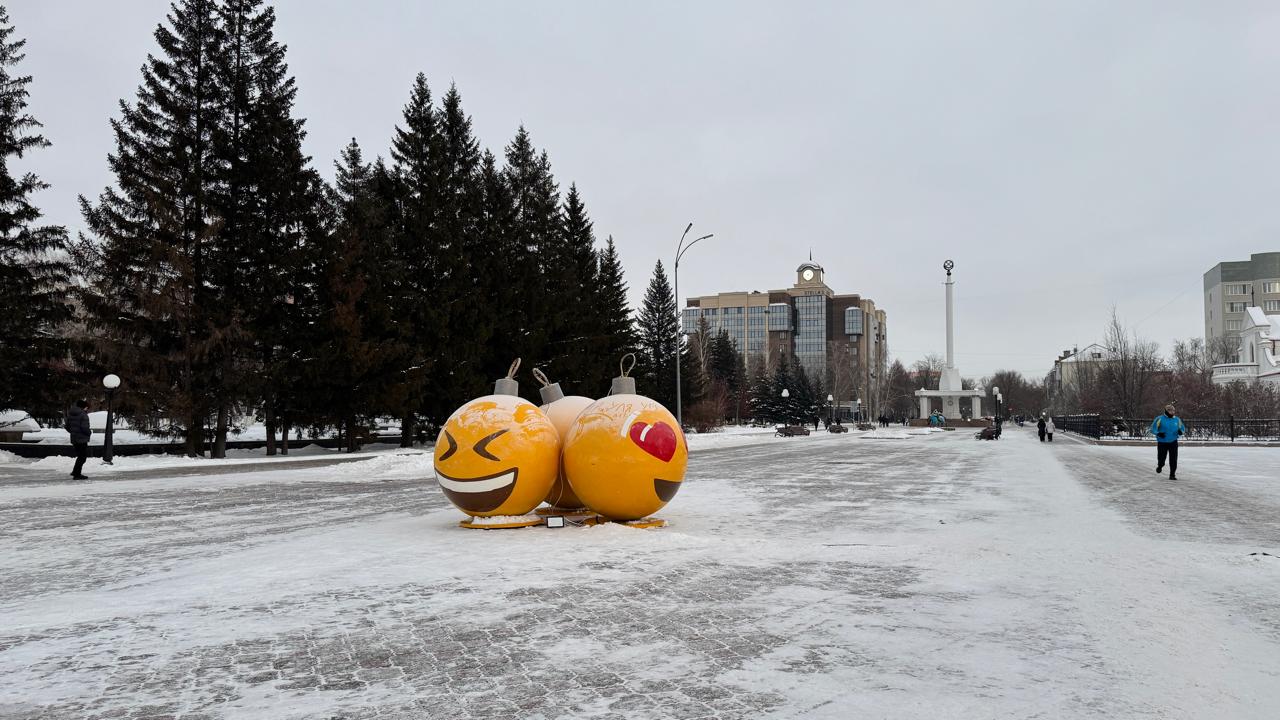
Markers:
point(1167, 428)
point(78, 427)
point(1040, 427)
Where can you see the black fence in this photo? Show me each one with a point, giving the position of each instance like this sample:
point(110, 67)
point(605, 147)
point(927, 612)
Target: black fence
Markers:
point(1229, 428)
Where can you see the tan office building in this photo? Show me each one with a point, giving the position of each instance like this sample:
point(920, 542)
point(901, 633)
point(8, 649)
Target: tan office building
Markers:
point(825, 332)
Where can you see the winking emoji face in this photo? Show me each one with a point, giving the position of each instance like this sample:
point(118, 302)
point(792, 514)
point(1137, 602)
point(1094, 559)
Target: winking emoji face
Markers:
point(497, 455)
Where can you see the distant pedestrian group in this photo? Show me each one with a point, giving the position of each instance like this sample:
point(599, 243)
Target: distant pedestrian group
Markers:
point(1045, 427)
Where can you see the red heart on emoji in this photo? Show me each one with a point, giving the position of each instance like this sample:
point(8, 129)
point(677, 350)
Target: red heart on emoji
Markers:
point(658, 439)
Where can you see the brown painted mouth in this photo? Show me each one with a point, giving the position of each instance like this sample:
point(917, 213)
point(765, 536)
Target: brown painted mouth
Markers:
point(666, 489)
point(481, 501)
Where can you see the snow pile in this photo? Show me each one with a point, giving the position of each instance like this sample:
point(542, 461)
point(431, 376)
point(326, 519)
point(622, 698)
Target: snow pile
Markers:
point(132, 463)
point(8, 458)
point(503, 519)
point(405, 464)
point(17, 421)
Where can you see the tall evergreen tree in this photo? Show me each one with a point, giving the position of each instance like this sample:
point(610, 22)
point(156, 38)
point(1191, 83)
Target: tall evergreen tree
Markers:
point(536, 230)
point(151, 295)
point(267, 197)
point(617, 327)
point(34, 272)
point(575, 333)
point(466, 261)
point(418, 265)
point(354, 374)
point(657, 330)
point(505, 276)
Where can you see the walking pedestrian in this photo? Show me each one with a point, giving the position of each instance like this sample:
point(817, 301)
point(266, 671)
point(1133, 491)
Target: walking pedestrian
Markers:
point(1048, 428)
point(1040, 425)
point(1167, 428)
point(78, 427)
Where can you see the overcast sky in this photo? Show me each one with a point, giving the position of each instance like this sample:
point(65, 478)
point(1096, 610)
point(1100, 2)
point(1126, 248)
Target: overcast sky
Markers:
point(1068, 156)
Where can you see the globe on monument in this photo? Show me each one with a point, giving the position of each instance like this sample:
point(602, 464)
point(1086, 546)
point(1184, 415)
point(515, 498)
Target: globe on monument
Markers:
point(625, 456)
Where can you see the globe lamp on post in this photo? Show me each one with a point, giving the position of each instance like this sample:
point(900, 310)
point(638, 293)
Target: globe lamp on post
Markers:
point(110, 382)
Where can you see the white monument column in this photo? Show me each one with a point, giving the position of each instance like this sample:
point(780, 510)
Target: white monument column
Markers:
point(951, 347)
point(977, 407)
point(924, 406)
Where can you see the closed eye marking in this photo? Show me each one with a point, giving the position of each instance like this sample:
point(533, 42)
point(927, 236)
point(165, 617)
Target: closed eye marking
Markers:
point(453, 446)
point(484, 443)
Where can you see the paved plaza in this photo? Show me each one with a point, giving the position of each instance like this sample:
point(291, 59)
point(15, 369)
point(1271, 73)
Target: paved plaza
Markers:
point(899, 576)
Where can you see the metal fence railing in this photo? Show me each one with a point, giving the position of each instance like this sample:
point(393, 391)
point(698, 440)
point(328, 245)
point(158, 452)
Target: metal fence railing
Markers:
point(1228, 428)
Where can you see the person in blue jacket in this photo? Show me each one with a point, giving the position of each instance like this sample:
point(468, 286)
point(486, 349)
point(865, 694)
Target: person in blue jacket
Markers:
point(1167, 428)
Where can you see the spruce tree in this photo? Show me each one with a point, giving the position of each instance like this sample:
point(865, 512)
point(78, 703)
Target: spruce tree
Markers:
point(505, 276)
point(418, 265)
point(151, 294)
point(617, 327)
point(536, 229)
point(34, 271)
point(657, 330)
point(267, 197)
point(575, 334)
point(466, 263)
point(353, 375)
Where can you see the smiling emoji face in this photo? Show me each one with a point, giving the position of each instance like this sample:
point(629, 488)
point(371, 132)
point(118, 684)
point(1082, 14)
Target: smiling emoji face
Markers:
point(497, 455)
point(625, 456)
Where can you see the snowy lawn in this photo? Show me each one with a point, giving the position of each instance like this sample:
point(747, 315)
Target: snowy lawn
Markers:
point(833, 576)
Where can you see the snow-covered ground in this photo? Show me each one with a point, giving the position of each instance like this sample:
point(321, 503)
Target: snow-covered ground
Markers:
point(831, 576)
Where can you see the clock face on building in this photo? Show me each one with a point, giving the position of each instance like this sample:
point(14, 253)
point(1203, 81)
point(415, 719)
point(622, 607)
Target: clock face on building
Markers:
point(807, 274)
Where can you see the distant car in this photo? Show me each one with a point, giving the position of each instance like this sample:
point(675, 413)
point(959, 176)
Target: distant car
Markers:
point(837, 428)
point(790, 430)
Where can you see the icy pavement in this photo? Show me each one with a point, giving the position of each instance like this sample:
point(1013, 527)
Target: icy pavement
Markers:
point(828, 576)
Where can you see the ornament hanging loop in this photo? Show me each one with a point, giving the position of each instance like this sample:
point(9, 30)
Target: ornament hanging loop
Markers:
point(550, 392)
point(508, 384)
point(624, 384)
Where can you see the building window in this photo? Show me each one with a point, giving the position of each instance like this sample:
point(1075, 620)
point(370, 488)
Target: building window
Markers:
point(1238, 289)
point(689, 322)
point(1236, 306)
point(1271, 305)
point(779, 316)
point(853, 321)
point(1271, 287)
point(1234, 324)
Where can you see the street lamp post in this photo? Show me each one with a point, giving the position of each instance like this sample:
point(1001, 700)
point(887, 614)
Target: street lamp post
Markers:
point(995, 395)
point(831, 401)
point(681, 249)
point(110, 382)
point(857, 414)
point(786, 417)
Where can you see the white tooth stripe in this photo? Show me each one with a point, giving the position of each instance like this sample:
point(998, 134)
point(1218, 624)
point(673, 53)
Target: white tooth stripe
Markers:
point(626, 424)
point(476, 486)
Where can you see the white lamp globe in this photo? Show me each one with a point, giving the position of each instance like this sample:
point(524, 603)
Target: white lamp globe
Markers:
point(111, 382)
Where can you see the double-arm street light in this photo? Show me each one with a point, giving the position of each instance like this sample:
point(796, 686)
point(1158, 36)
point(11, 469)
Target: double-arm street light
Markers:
point(110, 382)
point(681, 249)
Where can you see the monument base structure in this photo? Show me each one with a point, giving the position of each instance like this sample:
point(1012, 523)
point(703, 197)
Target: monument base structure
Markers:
point(950, 387)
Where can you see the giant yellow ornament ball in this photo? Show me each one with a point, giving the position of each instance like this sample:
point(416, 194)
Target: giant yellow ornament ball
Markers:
point(497, 455)
point(625, 456)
